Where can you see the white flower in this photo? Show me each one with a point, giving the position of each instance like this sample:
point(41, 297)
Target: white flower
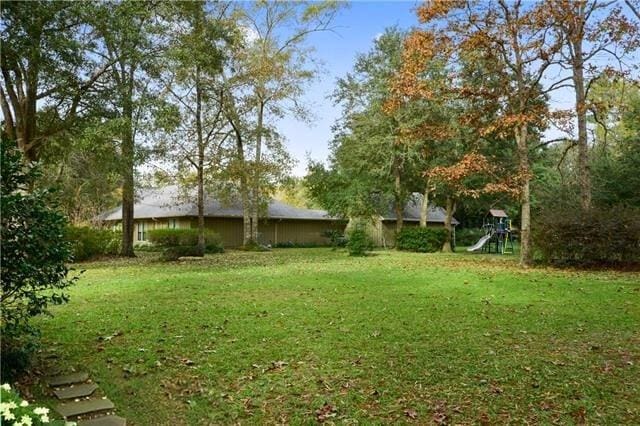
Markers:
point(24, 403)
point(6, 386)
point(7, 415)
point(41, 411)
point(44, 419)
point(26, 420)
point(11, 405)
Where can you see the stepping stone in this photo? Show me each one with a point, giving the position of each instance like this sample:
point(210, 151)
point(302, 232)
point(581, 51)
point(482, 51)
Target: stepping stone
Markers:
point(77, 391)
point(68, 379)
point(87, 406)
point(104, 421)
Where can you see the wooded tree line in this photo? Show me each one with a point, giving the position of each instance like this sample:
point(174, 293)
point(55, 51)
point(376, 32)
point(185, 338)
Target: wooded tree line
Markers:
point(94, 89)
point(457, 108)
point(460, 110)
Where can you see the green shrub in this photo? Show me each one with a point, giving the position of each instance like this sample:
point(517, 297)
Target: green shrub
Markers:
point(598, 236)
point(88, 243)
point(291, 244)
point(186, 237)
point(174, 253)
point(183, 242)
point(359, 242)
point(336, 238)
point(424, 240)
point(34, 258)
point(468, 236)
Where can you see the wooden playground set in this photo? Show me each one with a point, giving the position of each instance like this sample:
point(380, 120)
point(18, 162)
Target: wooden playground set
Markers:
point(498, 234)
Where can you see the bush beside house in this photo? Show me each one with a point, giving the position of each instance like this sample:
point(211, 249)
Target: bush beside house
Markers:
point(183, 242)
point(88, 243)
point(424, 240)
point(359, 242)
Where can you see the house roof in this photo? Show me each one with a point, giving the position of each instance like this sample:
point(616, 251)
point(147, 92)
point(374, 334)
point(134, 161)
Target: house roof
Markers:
point(497, 213)
point(170, 201)
point(412, 211)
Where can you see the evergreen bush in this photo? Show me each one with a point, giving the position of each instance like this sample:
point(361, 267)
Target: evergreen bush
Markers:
point(88, 243)
point(34, 257)
point(570, 235)
point(424, 240)
point(359, 243)
point(183, 242)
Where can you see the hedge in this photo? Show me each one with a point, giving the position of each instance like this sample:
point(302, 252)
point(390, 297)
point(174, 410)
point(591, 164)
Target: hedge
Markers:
point(424, 240)
point(598, 236)
point(183, 242)
point(88, 243)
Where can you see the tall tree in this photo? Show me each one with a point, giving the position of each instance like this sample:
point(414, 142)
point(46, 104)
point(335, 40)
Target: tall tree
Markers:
point(592, 30)
point(375, 160)
point(126, 43)
point(362, 94)
point(271, 71)
point(514, 45)
point(191, 77)
point(47, 70)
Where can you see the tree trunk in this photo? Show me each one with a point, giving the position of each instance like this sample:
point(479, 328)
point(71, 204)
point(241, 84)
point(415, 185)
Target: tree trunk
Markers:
point(244, 193)
point(398, 199)
point(9, 127)
point(255, 190)
point(233, 120)
point(525, 196)
point(584, 174)
point(424, 207)
point(128, 153)
point(201, 242)
point(451, 208)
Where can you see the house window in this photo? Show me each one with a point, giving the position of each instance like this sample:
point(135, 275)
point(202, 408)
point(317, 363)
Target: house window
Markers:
point(142, 231)
point(171, 224)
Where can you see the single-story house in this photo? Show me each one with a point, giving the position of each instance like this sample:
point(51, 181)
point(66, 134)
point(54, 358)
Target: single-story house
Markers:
point(168, 207)
point(383, 228)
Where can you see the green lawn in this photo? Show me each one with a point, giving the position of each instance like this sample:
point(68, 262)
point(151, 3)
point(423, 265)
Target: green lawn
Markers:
point(271, 337)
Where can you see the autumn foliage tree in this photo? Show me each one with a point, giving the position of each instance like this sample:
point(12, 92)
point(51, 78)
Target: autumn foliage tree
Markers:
point(598, 38)
point(510, 45)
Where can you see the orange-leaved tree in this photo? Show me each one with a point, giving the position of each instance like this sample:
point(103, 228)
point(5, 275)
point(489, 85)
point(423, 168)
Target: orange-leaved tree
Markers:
point(598, 41)
point(499, 53)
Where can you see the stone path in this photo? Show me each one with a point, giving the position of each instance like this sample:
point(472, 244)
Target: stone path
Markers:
point(78, 401)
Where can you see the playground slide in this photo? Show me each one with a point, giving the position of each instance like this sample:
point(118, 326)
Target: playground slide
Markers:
point(481, 242)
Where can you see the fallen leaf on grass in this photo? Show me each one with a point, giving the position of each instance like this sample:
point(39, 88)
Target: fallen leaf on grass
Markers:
point(484, 419)
point(440, 418)
point(580, 415)
point(495, 389)
point(108, 338)
point(327, 411)
point(412, 414)
point(277, 365)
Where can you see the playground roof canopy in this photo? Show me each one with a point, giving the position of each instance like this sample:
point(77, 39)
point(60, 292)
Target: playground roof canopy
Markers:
point(498, 213)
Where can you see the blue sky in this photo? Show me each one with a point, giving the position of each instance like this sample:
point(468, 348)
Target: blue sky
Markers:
point(356, 28)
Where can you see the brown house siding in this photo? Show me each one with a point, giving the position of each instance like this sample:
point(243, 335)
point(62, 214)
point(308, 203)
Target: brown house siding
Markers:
point(273, 231)
point(276, 231)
